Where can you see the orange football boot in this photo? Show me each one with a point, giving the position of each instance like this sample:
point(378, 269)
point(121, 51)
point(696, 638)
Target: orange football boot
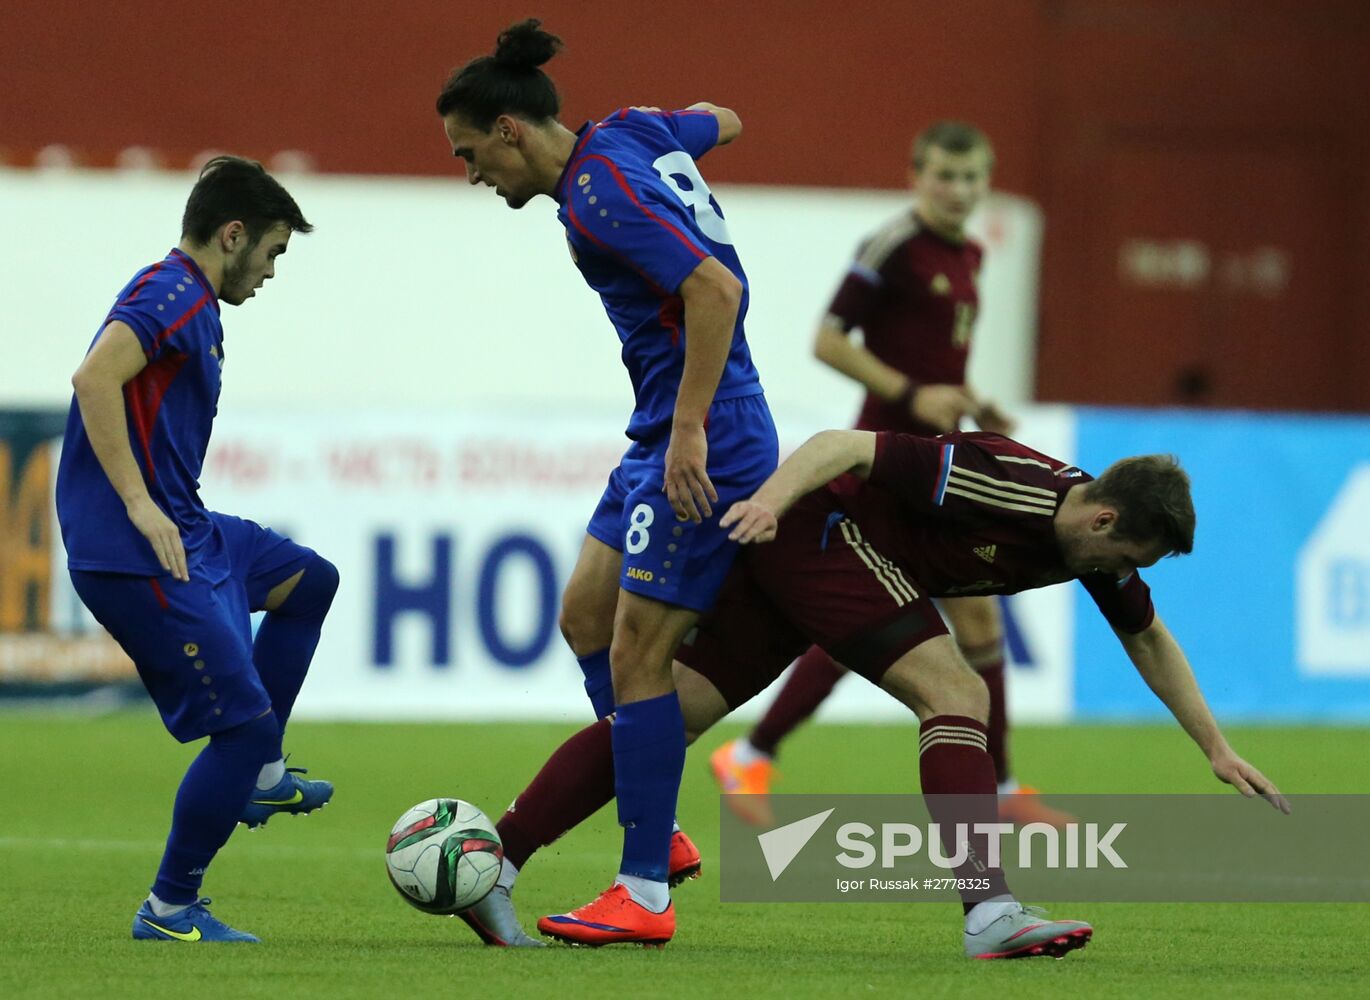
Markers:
point(685, 862)
point(611, 918)
point(1026, 806)
point(746, 787)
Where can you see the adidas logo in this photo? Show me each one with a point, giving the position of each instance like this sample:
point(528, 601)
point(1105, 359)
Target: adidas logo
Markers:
point(986, 552)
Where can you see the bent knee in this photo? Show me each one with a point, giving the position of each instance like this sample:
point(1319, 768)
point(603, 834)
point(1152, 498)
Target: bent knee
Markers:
point(959, 692)
point(585, 630)
point(934, 680)
point(313, 592)
point(323, 577)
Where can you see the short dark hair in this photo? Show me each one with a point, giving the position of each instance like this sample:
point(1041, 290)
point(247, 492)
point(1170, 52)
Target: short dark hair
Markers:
point(1151, 494)
point(954, 137)
point(508, 82)
point(231, 189)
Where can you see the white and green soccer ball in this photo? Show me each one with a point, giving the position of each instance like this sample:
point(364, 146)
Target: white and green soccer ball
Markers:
point(443, 856)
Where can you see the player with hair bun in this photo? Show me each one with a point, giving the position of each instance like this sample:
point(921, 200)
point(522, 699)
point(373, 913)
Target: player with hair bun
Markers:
point(650, 238)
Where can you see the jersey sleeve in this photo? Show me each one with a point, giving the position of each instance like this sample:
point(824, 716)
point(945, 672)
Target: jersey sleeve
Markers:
point(159, 310)
point(864, 285)
point(1125, 604)
point(646, 230)
point(913, 469)
point(695, 130)
point(854, 302)
point(967, 475)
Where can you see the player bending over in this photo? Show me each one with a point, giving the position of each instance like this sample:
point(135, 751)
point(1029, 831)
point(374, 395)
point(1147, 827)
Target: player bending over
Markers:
point(647, 235)
point(175, 583)
point(853, 568)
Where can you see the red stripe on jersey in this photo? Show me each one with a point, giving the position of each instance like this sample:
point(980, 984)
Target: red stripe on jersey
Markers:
point(142, 281)
point(167, 334)
point(157, 590)
point(671, 311)
point(567, 175)
point(193, 270)
point(144, 393)
point(580, 227)
point(700, 254)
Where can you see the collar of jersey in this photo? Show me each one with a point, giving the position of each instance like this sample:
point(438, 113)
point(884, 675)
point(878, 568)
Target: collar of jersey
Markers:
point(582, 136)
point(195, 272)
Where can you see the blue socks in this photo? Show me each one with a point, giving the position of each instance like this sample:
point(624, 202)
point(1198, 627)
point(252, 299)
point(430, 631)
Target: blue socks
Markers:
point(599, 681)
point(210, 802)
point(288, 636)
point(649, 758)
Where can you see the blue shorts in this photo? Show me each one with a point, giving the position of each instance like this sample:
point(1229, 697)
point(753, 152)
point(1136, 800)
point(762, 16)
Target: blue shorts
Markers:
point(680, 562)
point(192, 642)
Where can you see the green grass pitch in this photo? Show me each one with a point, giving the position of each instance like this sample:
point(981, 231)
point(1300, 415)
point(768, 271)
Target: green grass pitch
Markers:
point(86, 803)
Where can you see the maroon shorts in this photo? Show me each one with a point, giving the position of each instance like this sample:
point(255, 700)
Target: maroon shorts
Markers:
point(821, 582)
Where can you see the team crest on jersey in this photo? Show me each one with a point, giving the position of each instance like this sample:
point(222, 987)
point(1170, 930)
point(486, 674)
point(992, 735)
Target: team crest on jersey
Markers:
point(941, 285)
point(985, 552)
point(582, 180)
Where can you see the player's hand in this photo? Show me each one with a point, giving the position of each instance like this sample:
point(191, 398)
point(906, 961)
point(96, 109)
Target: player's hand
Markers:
point(751, 522)
point(687, 485)
point(1246, 779)
point(942, 406)
point(162, 533)
point(990, 418)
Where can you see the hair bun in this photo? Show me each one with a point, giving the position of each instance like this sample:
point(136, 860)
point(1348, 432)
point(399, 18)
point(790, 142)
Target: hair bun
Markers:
point(525, 46)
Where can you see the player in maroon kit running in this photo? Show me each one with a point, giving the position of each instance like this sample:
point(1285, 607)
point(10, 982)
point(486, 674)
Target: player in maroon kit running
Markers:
point(912, 291)
point(854, 567)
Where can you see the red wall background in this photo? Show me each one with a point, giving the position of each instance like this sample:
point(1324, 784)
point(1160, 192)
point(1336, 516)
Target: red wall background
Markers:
point(1145, 128)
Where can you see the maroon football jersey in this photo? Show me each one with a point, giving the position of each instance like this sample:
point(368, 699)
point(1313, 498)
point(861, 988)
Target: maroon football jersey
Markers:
point(913, 294)
point(973, 513)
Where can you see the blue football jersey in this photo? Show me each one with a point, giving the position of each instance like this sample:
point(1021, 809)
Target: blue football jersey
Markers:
point(639, 219)
point(170, 407)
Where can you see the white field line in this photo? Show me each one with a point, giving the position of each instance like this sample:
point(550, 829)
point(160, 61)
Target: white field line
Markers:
point(243, 842)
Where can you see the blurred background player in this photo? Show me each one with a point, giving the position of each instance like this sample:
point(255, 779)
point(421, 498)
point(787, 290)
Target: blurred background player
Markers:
point(648, 236)
point(912, 292)
point(175, 583)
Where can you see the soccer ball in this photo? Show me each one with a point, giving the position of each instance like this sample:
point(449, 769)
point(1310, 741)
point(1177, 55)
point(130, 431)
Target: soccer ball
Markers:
point(443, 856)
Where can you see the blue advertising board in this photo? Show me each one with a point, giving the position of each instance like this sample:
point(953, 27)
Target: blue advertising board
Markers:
point(1273, 605)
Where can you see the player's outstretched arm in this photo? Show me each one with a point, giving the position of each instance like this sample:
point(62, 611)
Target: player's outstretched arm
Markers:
point(729, 125)
point(1164, 667)
point(99, 383)
point(820, 459)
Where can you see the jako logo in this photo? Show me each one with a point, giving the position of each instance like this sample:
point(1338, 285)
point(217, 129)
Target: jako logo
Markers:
point(639, 574)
